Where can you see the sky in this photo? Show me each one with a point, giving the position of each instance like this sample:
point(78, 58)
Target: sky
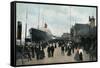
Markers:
point(58, 18)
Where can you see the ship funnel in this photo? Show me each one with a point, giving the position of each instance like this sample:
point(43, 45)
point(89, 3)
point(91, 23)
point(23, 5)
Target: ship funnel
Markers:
point(45, 26)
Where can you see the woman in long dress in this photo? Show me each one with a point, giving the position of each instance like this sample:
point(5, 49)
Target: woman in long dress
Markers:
point(76, 57)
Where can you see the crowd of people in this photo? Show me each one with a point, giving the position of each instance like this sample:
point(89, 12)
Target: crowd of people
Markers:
point(36, 49)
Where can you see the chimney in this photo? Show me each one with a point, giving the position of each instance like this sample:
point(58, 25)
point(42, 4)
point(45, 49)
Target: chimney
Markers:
point(45, 26)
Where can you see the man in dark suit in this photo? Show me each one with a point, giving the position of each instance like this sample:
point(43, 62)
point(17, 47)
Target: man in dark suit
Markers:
point(52, 50)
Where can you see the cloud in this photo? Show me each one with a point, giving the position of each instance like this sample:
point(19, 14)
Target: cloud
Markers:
point(59, 18)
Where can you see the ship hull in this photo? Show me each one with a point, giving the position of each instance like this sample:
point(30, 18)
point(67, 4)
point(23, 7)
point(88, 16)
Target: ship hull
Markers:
point(39, 35)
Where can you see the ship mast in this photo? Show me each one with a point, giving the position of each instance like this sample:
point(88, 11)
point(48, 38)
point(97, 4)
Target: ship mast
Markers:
point(26, 26)
point(38, 17)
point(70, 17)
point(66, 19)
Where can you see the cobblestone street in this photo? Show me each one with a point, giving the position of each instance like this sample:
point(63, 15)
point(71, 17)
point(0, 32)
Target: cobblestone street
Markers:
point(58, 58)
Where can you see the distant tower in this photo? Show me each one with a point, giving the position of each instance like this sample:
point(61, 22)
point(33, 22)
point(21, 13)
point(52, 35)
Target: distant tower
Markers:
point(92, 21)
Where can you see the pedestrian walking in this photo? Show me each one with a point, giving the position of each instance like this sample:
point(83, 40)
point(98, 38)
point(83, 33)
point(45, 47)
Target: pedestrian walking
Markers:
point(81, 54)
point(62, 49)
point(52, 50)
point(37, 50)
point(76, 57)
point(48, 51)
point(42, 54)
point(29, 53)
point(33, 51)
point(69, 49)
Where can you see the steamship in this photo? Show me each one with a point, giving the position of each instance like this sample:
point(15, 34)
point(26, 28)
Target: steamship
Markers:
point(42, 34)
